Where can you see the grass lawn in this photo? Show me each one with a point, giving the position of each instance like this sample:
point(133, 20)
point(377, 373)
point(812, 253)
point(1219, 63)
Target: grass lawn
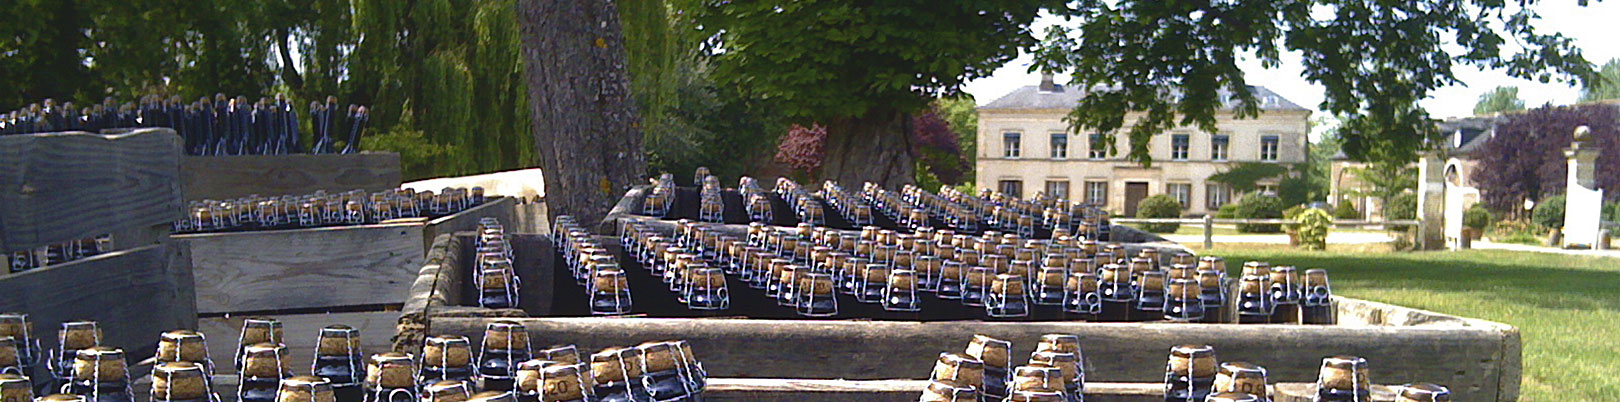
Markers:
point(1198, 230)
point(1564, 306)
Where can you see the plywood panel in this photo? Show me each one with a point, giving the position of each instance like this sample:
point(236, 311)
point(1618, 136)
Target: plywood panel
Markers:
point(305, 268)
point(66, 186)
point(133, 294)
point(225, 177)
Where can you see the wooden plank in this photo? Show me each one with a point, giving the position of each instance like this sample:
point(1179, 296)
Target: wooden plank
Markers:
point(134, 295)
point(1467, 358)
point(226, 177)
point(66, 186)
point(305, 268)
point(501, 208)
point(376, 329)
point(779, 389)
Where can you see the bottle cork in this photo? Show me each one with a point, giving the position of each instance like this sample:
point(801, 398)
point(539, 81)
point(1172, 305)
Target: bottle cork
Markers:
point(1036, 396)
point(958, 370)
point(1034, 378)
point(565, 383)
point(1197, 361)
point(610, 280)
point(1254, 285)
point(178, 381)
point(658, 357)
point(1209, 279)
point(493, 396)
point(707, 278)
point(947, 392)
point(1233, 397)
point(903, 279)
point(1067, 363)
point(61, 398)
point(819, 283)
point(265, 360)
point(392, 370)
point(99, 363)
point(1007, 284)
point(1346, 373)
point(1114, 273)
point(1181, 271)
point(15, 388)
point(16, 325)
point(447, 351)
point(613, 365)
point(564, 354)
point(980, 276)
point(338, 340)
point(1241, 377)
point(80, 335)
point(1151, 281)
point(306, 389)
point(261, 330)
point(9, 353)
point(530, 374)
point(506, 335)
point(1257, 268)
point(1184, 289)
point(1423, 392)
point(1060, 343)
point(990, 351)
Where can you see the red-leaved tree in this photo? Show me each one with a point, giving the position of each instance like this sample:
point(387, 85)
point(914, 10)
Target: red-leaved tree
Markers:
point(939, 153)
point(1525, 159)
point(803, 148)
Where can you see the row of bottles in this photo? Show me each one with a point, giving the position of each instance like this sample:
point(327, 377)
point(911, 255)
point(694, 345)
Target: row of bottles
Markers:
point(755, 200)
point(216, 126)
point(55, 254)
point(805, 205)
point(593, 266)
point(1055, 372)
point(354, 207)
point(660, 198)
point(497, 280)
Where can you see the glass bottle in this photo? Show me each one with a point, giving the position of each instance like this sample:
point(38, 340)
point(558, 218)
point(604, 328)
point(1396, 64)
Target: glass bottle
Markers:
point(817, 299)
point(447, 357)
point(1343, 379)
point(663, 378)
point(1116, 294)
point(871, 282)
point(1212, 293)
point(610, 292)
point(1037, 379)
point(995, 358)
point(958, 371)
point(390, 377)
point(506, 343)
point(255, 331)
point(1286, 292)
point(1007, 297)
point(447, 391)
point(1190, 374)
point(73, 337)
point(100, 375)
point(17, 327)
point(951, 274)
point(900, 294)
point(1081, 298)
point(929, 270)
point(305, 389)
point(264, 365)
point(976, 281)
point(706, 290)
point(1074, 376)
point(340, 359)
point(1317, 305)
point(184, 346)
point(1254, 294)
point(787, 281)
point(181, 381)
point(1182, 303)
point(618, 375)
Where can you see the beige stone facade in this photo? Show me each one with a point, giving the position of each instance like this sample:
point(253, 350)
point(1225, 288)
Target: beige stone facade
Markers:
point(1037, 162)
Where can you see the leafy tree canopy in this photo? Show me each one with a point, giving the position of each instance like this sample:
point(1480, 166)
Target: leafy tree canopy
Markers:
point(1501, 99)
point(1525, 158)
point(1608, 87)
point(829, 59)
point(1176, 62)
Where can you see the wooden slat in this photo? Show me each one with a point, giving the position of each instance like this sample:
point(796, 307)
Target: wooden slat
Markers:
point(305, 268)
point(1468, 358)
point(134, 295)
point(301, 330)
point(67, 186)
point(225, 177)
point(501, 208)
point(781, 389)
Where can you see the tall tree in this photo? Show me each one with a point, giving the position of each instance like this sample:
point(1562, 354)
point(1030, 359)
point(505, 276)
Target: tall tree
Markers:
point(584, 118)
point(1501, 99)
point(1525, 159)
point(1607, 88)
point(962, 114)
point(859, 68)
point(1176, 62)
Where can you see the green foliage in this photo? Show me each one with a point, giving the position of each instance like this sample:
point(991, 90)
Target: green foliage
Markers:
point(1402, 206)
point(1549, 213)
point(1228, 211)
point(1179, 62)
point(1386, 181)
point(1292, 212)
point(1611, 211)
point(1501, 99)
point(1516, 231)
point(418, 156)
point(1346, 210)
point(1245, 176)
point(1313, 228)
point(1477, 217)
point(1159, 206)
point(709, 125)
point(1259, 206)
point(962, 113)
point(1607, 87)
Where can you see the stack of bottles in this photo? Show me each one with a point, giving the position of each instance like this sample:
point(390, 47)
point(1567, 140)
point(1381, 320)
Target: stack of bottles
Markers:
point(897, 207)
point(1054, 372)
point(321, 209)
point(660, 199)
point(55, 254)
point(497, 280)
point(217, 126)
point(755, 200)
point(806, 205)
point(593, 266)
point(851, 206)
point(711, 208)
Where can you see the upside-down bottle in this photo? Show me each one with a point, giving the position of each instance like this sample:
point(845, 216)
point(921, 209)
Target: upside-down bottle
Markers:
point(1190, 374)
point(390, 377)
point(1317, 305)
point(506, 343)
point(264, 365)
point(340, 359)
point(100, 375)
point(1343, 379)
point(995, 357)
point(1423, 392)
point(181, 381)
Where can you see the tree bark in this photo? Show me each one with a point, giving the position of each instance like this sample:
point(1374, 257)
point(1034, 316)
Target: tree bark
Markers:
point(874, 148)
point(585, 129)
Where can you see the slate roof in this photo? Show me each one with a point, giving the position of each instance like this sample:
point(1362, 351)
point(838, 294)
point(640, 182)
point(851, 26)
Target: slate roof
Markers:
point(1032, 98)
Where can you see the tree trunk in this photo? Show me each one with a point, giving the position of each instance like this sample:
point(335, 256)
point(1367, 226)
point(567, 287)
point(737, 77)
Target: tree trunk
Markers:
point(585, 128)
point(873, 148)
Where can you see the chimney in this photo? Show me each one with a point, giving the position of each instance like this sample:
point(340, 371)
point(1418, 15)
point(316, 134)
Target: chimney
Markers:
point(1046, 82)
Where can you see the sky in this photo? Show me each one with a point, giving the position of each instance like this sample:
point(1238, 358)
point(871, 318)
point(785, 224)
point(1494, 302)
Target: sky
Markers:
point(1592, 27)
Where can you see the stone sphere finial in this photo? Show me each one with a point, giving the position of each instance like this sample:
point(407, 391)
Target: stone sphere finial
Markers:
point(1583, 133)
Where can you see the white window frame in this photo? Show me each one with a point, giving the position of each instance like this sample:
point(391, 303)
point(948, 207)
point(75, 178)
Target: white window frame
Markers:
point(1180, 152)
point(1276, 148)
point(1059, 152)
point(1098, 194)
point(1012, 144)
point(1001, 185)
point(1220, 147)
point(1063, 194)
point(1217, 195)
point(1094, 148)
point(1185, 198)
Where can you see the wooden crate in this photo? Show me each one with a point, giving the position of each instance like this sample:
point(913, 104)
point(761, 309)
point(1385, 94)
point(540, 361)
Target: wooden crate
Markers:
point(1478, 360)
point(318, 269)
point(226, 177)
point(61, 187)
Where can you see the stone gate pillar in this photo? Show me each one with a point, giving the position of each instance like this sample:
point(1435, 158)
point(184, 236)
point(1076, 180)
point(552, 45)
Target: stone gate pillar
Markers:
point(1431, 208)
point(1583, 205)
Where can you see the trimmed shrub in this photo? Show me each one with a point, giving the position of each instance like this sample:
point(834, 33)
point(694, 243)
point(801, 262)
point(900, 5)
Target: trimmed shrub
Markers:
point(1159, 206)
point(1293, 211)
point(1313, 228)
point(1403, 206)
point(1259, 206)
point(1346, 210)
point(1549, 213)
point(1477, 217)
point(1228, 211)
point(1517, 232)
